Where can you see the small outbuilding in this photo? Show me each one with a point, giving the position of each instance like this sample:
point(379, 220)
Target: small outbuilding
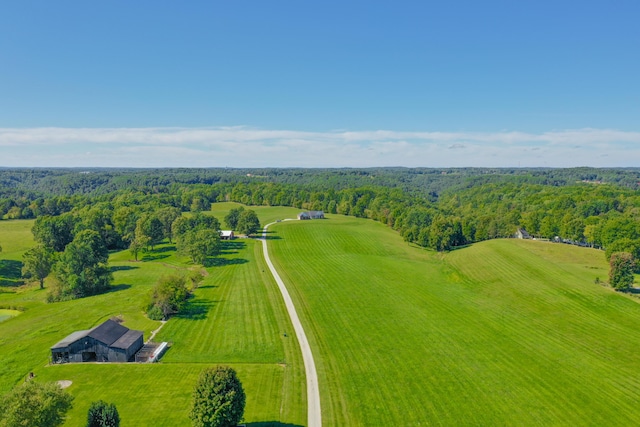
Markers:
point(226, 235)
point(107, 342)
point(311, 215)
point(522, 234)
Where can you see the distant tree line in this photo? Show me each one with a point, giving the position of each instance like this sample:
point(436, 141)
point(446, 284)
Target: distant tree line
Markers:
point(433, 208)
point(30, 193)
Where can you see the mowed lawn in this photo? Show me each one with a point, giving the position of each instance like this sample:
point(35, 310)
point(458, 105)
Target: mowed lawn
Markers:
point(503, 332)
point(236, 318)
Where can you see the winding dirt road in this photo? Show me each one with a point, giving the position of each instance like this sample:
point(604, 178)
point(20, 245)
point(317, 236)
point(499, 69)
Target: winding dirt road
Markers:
point(314, 418)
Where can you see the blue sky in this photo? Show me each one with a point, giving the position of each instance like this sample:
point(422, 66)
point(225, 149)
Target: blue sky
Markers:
point(295, 83)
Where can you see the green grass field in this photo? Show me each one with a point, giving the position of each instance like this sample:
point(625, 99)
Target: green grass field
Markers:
point(236, 318)
point(504, 332)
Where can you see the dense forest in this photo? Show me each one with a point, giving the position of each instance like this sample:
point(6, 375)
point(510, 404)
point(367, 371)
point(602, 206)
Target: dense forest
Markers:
point(434, 208)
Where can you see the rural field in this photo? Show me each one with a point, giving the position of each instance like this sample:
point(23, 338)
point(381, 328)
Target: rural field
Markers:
point(236, 318)
point(503, 332)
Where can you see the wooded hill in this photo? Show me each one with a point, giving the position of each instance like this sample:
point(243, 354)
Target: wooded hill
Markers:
point(436, 208)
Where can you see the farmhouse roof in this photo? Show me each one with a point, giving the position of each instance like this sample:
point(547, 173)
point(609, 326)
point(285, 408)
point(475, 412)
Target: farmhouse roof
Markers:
point(108, 332)
point(226, 233)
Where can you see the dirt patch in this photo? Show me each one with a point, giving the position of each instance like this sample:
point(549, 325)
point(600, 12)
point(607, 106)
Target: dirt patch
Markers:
point(64, 383)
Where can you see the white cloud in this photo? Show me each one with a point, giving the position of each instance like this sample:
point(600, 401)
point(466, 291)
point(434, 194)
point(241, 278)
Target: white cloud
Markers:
point(249, 147)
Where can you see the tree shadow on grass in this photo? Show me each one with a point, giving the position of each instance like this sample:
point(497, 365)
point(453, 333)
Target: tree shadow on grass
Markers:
point(152, 256)
point(196, 309)
point(170, 248)
point(10, 283)
point(232, 245)
point(457, 248)
point(158, 253)
point(221, 262)
point(10, 269)
point(117, 288)
point(271, 235)
point(271, 424)
point(114, 268)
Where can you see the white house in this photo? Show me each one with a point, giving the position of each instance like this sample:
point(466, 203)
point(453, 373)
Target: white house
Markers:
point(226, 235)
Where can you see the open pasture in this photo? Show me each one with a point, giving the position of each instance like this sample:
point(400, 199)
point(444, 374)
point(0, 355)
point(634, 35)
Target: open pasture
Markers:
point(504, 332)
point(235, 318)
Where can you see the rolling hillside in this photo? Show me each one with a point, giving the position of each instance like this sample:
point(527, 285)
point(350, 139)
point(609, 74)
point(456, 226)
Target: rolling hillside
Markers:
point(236, 318)
point(504, 332)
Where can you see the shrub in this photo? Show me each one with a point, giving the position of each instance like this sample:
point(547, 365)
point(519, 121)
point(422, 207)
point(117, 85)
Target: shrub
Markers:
point(168, 297)
point(103, 414)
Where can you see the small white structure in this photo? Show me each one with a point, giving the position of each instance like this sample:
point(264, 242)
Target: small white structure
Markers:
point(522, 234)
point(227, 235)
point(158, 352)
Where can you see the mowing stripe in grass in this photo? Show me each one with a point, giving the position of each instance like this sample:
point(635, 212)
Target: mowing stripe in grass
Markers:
point(502, 332)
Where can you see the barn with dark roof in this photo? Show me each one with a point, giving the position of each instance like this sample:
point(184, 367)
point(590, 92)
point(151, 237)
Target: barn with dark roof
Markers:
point(107, 342)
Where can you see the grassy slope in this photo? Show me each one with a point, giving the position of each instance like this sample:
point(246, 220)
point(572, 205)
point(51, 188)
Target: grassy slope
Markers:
point(236, 318)
point(15, 239)
point(500, 333)
point(266, 214)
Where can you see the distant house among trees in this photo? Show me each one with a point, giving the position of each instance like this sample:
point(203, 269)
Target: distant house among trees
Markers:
point(226, 235)
point(522, 234)
point(311, 215)
point(107, 342)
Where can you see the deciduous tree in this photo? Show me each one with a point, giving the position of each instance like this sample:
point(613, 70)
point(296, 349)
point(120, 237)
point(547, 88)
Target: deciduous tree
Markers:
point(150, 230)
point(54, 232)
point(82, 269)
point(218, 399)
point(167, 216)
point(200, 245)
point(231, 219)
point(248, 222)
point(37, 263)
point(34, 404)
point(622, 265)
